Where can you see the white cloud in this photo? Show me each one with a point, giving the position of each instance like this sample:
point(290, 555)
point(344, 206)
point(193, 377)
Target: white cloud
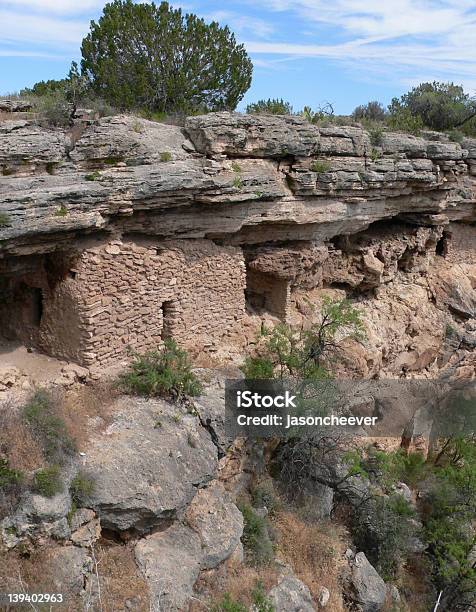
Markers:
point(241, 23)
point(29, 30)
point(60, 7)
point(390, 38)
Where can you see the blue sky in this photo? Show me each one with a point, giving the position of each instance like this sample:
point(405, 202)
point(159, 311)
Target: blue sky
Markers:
point(346, 52)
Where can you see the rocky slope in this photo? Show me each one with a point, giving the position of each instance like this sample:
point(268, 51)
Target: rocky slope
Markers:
point(385, 219)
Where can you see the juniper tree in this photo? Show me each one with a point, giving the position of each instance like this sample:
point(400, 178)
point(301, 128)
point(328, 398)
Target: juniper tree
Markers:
point(157, 58)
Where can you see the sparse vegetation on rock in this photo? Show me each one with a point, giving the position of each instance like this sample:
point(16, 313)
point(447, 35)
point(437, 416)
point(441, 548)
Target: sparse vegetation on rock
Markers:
point(164, 372)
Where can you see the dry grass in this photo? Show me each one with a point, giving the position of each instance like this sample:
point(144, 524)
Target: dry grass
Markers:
point(235, 579)
point(315, 551)
point(30, 572)
point(86, 409)
point(120, 579)
point(16, 442)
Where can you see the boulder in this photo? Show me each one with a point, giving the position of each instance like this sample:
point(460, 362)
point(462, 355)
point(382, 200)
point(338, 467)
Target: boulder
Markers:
point(113, 140)
point(170, 562)
point(87, 534)
point(15, 106)
point(324, 596)
point(68, 567)
point(218, 522)
point(365, 586)
point(144, 467)
point(252, 135)
point(291, 595)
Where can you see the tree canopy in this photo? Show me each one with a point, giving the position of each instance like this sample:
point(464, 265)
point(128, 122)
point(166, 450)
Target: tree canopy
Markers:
point(157, 58)
point(440, 106)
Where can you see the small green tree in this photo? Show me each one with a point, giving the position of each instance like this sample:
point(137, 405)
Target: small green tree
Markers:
point(154, 57)
point(440, 106)
point(270, 106)
point(284, 352)
point(449, 525)
point(372, 111)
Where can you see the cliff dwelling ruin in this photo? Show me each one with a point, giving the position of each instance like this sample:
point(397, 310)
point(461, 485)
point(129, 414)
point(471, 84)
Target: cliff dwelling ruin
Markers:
point(99, 258)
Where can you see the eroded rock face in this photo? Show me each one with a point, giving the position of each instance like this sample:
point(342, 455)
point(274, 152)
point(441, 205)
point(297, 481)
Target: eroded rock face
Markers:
point(224, 174)
point(218, 522)
point(147, 465)
point(171, 560)
point(284, 206)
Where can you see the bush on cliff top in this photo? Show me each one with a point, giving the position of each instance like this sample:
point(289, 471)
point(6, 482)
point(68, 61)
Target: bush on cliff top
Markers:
point(270, 107)
point(166, 372)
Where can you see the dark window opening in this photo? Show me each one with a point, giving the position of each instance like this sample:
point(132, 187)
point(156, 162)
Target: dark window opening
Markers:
point(37, 305)
point(169, 319)
point(442, 245)
point(72, 274)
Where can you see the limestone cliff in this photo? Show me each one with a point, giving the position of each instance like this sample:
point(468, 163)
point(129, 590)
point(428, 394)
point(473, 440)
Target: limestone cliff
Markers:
point(193, 230)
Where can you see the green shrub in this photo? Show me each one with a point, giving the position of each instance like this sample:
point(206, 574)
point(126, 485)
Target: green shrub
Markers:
point(238, 182)
point(165, 372)
point(71, 512)
point(62, 211)
point(383, 531)
point(227, 604)
point(54, 108)
point(398, 466)
point(155, 72)
point(320, 166)
point(47, 482)
point(165, 156)
point(82, 486)
point(94, 176)
point(48, 428)
point(261, 603)
point(439, 106)
point(8, 476)
point(235, 166)
point(270, 106)
point(5, 220)
point(402, 120)
point(451, 512)
point(372, 111)
point(284, 352)
point(256, 540)
point(6, 171)
point(456, 136)
point(376, 135)
point(258, 368)
point(375, 154)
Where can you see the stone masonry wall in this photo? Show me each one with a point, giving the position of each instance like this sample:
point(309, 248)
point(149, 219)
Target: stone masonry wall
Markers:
point(133, 296)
